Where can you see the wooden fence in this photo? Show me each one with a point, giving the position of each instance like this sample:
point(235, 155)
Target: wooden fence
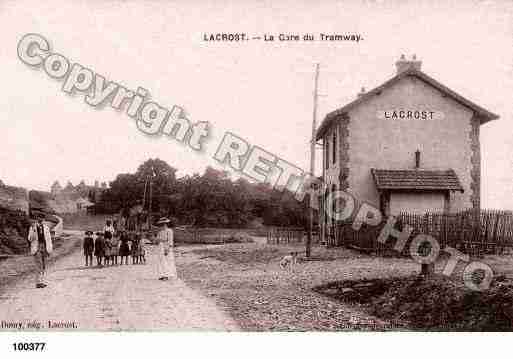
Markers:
point(472, 232)
point(364, 239)
point(196, 235)
point(272, 235)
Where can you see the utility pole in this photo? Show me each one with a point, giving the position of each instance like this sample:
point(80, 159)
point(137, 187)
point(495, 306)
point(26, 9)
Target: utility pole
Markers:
point(308, 250)
point(144, 193)
point(144, 201)
point(151, 197)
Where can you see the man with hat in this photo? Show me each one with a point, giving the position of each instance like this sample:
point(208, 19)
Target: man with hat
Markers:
point(40, 240)
point(166, 259)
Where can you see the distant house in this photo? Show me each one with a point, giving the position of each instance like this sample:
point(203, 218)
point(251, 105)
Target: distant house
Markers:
point(83, 204)
point(410, 144)
point(75, 199)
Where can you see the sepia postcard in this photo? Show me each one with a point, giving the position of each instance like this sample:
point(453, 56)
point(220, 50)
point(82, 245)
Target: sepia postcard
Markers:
point(255, 166)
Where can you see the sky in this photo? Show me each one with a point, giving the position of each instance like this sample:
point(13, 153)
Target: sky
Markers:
point(261, 91)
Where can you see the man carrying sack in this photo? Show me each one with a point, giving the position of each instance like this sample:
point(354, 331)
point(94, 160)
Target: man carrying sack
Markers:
point(40, 241)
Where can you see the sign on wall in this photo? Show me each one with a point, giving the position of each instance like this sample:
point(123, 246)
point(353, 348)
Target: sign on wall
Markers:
point(410, 114)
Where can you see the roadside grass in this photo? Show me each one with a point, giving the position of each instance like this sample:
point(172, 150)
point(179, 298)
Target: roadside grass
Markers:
point(246, 280)
point(242, 255)
point(209, 236)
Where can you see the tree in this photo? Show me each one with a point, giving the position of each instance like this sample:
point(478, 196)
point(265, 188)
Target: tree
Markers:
point(128, 190)
point(161, 177)
point(210, 199)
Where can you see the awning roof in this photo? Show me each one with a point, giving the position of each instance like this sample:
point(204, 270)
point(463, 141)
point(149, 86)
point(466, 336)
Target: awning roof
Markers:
point(425, 180)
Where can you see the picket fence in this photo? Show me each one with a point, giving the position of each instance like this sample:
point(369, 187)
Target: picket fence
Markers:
point(289, 235)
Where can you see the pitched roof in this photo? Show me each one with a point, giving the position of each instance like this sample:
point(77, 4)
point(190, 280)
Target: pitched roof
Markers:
point(484, 114)
point(427, 180)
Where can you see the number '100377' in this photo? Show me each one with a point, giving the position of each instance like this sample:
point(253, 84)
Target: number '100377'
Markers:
point(28, 346)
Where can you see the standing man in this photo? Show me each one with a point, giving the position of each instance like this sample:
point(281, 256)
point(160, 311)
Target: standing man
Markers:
point(166, 258)
point(41, 246)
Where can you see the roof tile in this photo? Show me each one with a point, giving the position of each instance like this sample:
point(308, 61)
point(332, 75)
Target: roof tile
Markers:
point(434, 180)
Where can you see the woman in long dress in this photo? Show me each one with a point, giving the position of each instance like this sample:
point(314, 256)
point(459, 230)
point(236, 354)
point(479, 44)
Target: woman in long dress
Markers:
point(108, 234)
point(166, 260)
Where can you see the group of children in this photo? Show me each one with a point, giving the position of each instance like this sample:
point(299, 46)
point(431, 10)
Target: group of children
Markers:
point(110, 244)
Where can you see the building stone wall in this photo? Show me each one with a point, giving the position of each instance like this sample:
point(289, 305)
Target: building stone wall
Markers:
point(391, 144)
point(331, 172)
point(416, 202)
point(475, 186)
point(344, 153)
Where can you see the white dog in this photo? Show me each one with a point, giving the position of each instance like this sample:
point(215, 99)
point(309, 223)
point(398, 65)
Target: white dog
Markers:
point(289, 260)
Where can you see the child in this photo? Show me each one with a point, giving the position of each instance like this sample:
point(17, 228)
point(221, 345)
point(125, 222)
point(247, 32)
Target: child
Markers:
point(108, 234)
point(88, 248)
point(114, 250)
point(124, 249)
point(135, 248)
point(99, 248)
point(142, 251)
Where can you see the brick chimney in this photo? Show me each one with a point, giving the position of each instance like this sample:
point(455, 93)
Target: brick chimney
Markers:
point(402, 64)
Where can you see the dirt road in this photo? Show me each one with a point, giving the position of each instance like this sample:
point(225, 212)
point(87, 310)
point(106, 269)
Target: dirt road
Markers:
point(128, 297)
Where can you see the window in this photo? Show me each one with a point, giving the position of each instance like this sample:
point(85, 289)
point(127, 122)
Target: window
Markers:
point(333, 203)
point(334, 147)
point(327, 152)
